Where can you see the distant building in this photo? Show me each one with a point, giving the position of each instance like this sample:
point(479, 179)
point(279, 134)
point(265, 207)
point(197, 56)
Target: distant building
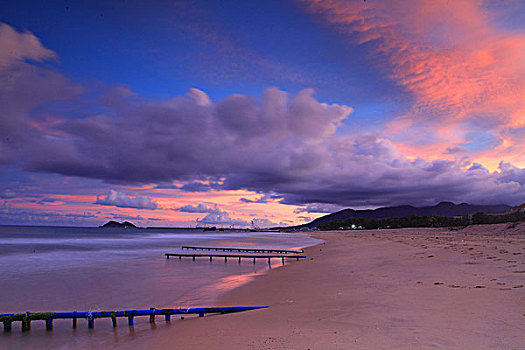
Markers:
point(518, 208)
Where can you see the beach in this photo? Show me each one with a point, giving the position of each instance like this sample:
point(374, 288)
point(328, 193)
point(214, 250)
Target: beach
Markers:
point(414, 288)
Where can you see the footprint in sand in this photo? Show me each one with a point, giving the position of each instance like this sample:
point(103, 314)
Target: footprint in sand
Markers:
point(500, 283)
point(505, 289)
point(518, 286)
point(438, 283)
point(453, 286)
point(521, 271)
point(479, 287)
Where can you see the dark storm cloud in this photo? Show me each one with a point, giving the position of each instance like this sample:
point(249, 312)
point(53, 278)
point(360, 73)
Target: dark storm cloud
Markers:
point(281, 144)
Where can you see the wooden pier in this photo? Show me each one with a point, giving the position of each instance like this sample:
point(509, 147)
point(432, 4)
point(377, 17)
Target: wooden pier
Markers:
point(236, 256)
point(90, 316)
point(245, 250)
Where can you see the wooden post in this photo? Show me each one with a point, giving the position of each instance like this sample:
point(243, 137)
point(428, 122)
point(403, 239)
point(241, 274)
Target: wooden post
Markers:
point(26, 323)
point(168, 318)
point(7, 326)
point(91, 321)
point(201, 314)
point(74, 322)
point(167, 257)
point(269, 263)
point(180, 257)
point(225, 259)
point(239, 260)
point(49, 324)
point(130, 321)
point(254, 260)
point(283, 259)
point(194, 258)
point(114, 320)
point(152, 317)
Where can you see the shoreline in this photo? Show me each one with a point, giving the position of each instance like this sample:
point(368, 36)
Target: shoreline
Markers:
point(406, 288)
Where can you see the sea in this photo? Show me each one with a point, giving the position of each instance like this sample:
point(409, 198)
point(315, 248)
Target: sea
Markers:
point(94, 269)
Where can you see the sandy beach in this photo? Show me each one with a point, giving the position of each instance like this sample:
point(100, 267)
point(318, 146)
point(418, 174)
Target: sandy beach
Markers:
point(389, 289)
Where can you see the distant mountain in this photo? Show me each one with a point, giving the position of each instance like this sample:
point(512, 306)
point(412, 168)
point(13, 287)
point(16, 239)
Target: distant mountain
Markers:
point(125, 224)
point(446, 209)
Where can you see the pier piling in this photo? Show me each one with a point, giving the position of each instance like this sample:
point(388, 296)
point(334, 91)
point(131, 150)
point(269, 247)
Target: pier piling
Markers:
point(91, 321)
point(152, 316)
point(26, 322)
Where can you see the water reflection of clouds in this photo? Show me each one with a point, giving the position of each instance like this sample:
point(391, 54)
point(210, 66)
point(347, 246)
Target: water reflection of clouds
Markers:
point(211, 293)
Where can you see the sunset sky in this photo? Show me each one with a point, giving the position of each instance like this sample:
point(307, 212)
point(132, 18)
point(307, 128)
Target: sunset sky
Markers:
point(185, 113)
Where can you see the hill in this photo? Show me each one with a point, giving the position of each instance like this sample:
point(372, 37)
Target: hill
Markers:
point(445, 209)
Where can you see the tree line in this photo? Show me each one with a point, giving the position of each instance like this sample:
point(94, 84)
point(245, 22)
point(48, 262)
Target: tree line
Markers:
point(424, 221)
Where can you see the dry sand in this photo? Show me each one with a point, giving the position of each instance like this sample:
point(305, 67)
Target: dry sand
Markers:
point(388, 289)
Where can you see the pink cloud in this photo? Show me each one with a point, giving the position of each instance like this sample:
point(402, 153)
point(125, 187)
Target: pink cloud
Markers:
point(24, 45)
point(453, 59)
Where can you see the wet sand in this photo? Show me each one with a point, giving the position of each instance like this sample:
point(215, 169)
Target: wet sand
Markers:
point(387, 289)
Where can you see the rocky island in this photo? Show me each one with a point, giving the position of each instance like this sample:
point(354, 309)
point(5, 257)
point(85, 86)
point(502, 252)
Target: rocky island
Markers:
point(125, 224)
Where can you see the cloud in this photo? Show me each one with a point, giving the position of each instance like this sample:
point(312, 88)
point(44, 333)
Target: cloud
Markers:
point(83, 216)
point(21, 46)
point(264, 199)
point(460, 67)
point(200, 186)
point(5, 207)
point(121, 200)
point(49, 201)
point(19, 216)
point(264, 223)
point(215, 216)
point(283, 144)
point(26, 87)
point(319, 208)
point(219, 217)
point(7, 193)
point(127, 217)
point(201, 208)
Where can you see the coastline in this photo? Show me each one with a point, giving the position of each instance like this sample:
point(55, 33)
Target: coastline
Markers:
point(406, 288)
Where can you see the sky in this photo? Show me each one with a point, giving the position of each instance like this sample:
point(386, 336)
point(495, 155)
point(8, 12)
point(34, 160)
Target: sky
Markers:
point(195, 113)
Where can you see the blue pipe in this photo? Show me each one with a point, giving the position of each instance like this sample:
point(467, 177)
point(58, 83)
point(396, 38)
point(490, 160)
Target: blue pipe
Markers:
point(132, 313)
